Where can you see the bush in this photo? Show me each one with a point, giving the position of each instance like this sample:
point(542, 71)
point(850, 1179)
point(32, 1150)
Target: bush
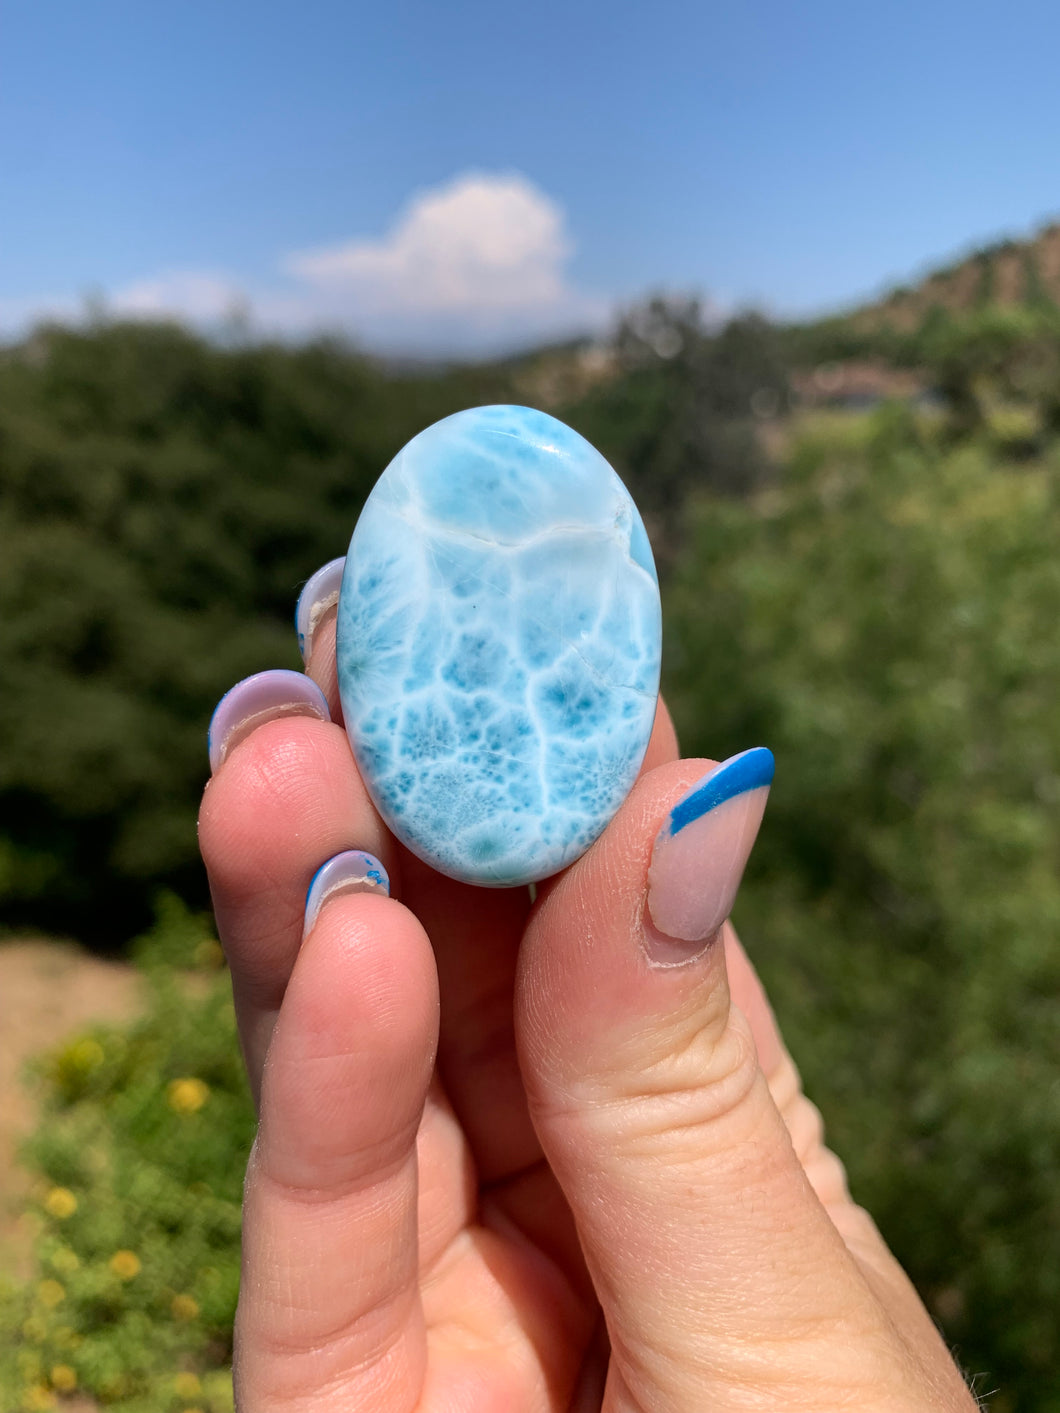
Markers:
point(138, 1159)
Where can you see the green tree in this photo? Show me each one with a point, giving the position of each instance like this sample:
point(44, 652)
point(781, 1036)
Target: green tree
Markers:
point(161, 502)
point(681, 415)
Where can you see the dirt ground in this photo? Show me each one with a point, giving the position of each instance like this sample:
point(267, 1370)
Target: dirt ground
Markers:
point(48, 990)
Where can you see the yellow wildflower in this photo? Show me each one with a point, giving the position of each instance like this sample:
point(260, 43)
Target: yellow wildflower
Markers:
point(125, 1265)
point(50, 1293)
point(35, 1329)
point(37, 1398)
point(60, 1203)
point(63, 1378)
point(187, 1096)
point(184, 1307)
point(86, 1055)
point(186, 1386)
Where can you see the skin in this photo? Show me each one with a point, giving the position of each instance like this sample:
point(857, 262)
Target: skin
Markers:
point(505, 1163)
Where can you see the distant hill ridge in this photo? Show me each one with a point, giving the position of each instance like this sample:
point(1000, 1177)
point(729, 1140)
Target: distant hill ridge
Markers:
point(1009, 273)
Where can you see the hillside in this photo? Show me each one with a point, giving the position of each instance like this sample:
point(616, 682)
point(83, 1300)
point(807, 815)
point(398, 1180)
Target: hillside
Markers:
point(1009, 274)
point(998, 305)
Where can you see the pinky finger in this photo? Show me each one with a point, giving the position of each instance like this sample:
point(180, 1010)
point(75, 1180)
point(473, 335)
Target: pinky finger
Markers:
point(329, 1298)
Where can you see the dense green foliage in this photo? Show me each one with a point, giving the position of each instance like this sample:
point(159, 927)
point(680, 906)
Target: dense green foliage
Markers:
point(879, 606)
point(161, 503)
point(991, 368)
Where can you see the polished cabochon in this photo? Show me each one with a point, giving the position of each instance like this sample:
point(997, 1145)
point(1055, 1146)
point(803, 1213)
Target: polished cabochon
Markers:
point(499, 641)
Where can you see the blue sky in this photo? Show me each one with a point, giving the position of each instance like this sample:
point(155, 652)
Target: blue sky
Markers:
point(425, 175)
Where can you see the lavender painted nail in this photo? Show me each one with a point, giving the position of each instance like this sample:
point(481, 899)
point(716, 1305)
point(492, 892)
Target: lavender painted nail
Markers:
point(258, 699)
point(353, 871)
point(701, 851)
point(320, 593)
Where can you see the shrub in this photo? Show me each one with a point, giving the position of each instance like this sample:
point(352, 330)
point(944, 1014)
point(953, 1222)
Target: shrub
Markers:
point(138, 1160)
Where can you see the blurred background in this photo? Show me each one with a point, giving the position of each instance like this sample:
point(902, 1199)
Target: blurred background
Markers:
point(796, 271)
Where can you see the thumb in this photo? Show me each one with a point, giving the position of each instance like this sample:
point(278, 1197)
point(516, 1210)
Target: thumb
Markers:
point(723, 1281)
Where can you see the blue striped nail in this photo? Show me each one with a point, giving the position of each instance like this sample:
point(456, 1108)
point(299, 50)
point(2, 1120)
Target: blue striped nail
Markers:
point(699, 855)
point(747, 771)
point(353, 871)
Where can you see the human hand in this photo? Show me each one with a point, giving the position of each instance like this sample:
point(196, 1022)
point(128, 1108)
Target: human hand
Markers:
point(518, 1157)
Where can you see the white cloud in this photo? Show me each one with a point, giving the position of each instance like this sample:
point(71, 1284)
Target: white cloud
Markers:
point(480, 246)
point(200, 296)
point(476, 265)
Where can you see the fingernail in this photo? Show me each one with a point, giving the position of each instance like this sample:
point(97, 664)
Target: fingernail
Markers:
point(258, 699)
point(320, 593)
point(351, 872)
point(700, 854)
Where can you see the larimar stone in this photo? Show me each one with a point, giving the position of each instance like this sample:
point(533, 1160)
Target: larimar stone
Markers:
point(499, 637)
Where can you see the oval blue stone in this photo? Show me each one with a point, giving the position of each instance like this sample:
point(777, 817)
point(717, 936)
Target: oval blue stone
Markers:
point(499, 638)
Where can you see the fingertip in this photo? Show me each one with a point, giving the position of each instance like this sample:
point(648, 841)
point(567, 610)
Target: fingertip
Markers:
point(352, 1052)
point(585, 974)
point(290, 798)
point(621, 949)
point(700, 853)
point(291, 787)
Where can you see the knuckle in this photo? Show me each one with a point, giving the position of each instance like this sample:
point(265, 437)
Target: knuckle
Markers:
point(699, 1096)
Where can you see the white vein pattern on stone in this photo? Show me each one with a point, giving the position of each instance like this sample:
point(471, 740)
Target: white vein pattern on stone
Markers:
point(499, 638)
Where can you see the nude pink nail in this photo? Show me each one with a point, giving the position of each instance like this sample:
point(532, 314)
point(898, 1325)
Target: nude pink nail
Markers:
point(700, 854)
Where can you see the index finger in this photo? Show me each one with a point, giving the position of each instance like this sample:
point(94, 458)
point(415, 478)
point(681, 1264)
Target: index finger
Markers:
point(286, 799)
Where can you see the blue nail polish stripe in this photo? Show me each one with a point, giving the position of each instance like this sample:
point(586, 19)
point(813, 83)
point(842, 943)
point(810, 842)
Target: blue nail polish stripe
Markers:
point(747, 771)
point(374, 872)
point(312, 882)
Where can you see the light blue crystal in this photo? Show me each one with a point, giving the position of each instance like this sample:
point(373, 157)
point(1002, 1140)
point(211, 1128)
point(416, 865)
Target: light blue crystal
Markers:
point(499, 638)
